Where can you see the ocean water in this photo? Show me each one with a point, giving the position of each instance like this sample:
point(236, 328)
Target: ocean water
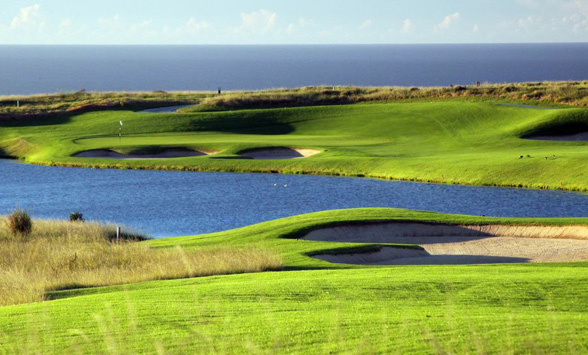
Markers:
point(171, 203)
point(42, 69)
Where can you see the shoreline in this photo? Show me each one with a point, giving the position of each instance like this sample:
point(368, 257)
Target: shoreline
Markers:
point(297, 172)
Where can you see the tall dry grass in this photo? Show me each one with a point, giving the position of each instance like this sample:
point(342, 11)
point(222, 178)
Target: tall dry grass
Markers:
point(569, 93)
point(59, 255)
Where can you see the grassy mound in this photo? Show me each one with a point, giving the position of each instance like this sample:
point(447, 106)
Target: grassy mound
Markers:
point(318, 307)
point(61, 255)
point(451, 141)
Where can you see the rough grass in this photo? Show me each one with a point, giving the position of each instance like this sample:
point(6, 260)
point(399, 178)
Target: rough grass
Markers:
point(574, 93)
point(83, 101)
point(61, 255)
point(568, 93)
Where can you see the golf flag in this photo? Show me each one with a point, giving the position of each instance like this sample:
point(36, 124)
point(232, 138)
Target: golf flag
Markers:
point(121, 123)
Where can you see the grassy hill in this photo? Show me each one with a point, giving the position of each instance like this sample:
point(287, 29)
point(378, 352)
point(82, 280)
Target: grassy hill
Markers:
point(319, 307)
point(315, 306)
point(449, 141)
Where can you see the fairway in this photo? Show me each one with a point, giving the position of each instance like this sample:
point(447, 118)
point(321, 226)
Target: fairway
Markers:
point(452, 141)
point(316, 306)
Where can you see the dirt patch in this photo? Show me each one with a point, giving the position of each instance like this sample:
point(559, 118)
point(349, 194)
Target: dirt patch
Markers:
point(163, 154)
point(453, 244)
point(278, 153)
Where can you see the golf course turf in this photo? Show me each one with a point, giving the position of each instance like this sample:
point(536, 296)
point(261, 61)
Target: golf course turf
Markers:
point(447, 141)
point(313, 305)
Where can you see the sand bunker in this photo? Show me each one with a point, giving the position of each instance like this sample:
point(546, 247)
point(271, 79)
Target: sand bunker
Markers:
point(578, 137)
point(453, 244)
point(278, 153)
point(163, 154)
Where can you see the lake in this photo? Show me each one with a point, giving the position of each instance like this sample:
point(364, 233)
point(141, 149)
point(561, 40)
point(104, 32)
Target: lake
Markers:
point(43, 69)
point(169, 203)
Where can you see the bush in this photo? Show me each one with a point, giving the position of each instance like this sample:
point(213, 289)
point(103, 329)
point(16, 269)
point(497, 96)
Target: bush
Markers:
point(76, 217)
point(19, 222)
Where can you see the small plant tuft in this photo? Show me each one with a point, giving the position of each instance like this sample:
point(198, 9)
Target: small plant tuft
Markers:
point(19, 222)
point(76, 217)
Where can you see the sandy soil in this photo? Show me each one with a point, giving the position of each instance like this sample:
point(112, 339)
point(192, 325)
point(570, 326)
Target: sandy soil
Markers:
point(168, 153)
point(444, 244)
point(278, 153)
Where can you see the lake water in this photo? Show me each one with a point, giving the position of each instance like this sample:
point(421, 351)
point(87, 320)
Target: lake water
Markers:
point(41, 69)
point(168, 203)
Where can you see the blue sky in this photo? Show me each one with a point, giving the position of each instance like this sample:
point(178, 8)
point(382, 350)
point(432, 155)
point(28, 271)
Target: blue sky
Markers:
point(291, 22)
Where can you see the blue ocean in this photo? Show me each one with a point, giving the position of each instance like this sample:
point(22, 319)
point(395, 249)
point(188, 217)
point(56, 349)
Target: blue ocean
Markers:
point(44, 69)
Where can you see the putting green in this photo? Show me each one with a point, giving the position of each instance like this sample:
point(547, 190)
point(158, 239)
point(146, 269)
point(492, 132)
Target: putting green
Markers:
point(444, 141)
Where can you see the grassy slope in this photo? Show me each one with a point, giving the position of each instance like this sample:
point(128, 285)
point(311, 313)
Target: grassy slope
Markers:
point(442, 141)
point(491, 308)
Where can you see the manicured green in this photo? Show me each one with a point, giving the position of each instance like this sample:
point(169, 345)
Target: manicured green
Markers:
point(317, 307)
point(314, 306)
point(455, 141)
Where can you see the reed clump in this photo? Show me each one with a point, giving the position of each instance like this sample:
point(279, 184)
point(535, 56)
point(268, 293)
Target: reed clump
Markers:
point(19, 223)
point(61, 255)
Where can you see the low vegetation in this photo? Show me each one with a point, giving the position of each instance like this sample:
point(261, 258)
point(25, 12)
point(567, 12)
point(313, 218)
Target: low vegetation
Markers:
point(567, 93)
point(61, 255)
point(547, 93)
point(19, 223)
point(13, 107)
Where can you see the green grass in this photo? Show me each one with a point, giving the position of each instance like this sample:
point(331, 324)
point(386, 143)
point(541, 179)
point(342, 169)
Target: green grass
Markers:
point(449, 141)
point(317, 307)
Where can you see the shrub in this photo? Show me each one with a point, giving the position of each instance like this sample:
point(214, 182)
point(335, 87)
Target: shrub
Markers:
point(76, 217)
point(19, 222)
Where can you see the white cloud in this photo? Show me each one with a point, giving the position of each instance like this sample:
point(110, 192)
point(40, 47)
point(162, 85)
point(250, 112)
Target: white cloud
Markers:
point(141, 28)
point(194, 26)
point(476, 28)
point(448, 21)
point(262, 21)
point(407, 26)
point(291, 29)
point(295, 28)
point(110, 22)
point(65, 27)
point(366, 24)
point(28, 16)
point(528, 21)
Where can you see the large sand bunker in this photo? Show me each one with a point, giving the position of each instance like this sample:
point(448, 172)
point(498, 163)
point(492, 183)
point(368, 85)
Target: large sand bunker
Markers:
point(454, 244)
point(162, 154)
point(278, 153)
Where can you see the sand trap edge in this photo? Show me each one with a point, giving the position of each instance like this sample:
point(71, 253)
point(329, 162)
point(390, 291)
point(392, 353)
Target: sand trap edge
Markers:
point(164, 154)
point(271, 153)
